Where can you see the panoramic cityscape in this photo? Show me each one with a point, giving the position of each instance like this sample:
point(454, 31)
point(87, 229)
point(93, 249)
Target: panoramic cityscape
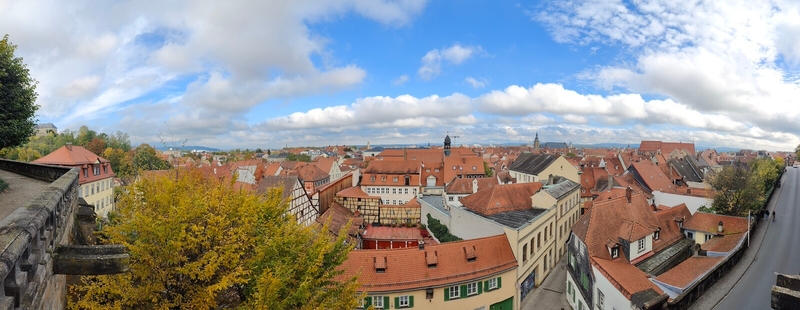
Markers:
point(399, 154)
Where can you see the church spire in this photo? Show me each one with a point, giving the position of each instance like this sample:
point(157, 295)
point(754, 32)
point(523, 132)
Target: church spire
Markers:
point(536, 141)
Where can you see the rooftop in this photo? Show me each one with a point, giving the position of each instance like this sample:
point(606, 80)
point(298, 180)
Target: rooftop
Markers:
point(515, 219)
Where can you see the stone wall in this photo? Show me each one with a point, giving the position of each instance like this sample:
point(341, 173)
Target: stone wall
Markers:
point(29, 236)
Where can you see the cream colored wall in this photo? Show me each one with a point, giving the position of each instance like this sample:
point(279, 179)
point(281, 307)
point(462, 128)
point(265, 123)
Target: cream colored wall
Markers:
point(102, 199)
point(569, 217)
point(486, 299)
point(700, 237)
point(535, 262)
point(648, 246)
point(561, 166)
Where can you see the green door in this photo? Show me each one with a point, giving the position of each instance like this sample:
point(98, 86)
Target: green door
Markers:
point(507, 304)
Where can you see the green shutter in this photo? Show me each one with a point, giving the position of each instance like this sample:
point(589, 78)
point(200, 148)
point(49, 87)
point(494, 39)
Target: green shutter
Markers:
point(446, 293)
point(463, 291)
point(480, 288)
point(411, 301)
point(386, 304)
point(486, 286)
point(368, 302)
point(499, 282)
point(397, 302)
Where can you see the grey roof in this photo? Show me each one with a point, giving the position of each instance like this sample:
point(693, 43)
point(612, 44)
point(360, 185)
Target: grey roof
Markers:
point(562, 189)
point(513, 219)
point(687, 168)
point(554, 145)
point(45, 125)
point(436, 202)
point(532, 163)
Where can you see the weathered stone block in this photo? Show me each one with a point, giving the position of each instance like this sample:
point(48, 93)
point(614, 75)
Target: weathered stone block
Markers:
point(783, 298)
point(90, 260)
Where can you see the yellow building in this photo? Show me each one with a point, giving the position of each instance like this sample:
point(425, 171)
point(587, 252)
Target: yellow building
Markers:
point(96, 177)
point(470, 274)
point(530, 167)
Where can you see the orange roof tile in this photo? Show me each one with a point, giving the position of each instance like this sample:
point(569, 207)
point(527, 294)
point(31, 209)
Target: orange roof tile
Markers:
point(627, 277)
point(339, 217)
point(708, 222)
point(355, 192)
point(685, 273)
point(653, 177)
point(391, 233)
point(80, 157)
point(464, 185)
point(407, 269)
point(502, 198)
point(724, 243)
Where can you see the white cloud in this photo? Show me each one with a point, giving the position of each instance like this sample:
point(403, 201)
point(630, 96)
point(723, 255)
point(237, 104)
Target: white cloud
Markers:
point(400, 80)
point(476, 83)
point(456, 54)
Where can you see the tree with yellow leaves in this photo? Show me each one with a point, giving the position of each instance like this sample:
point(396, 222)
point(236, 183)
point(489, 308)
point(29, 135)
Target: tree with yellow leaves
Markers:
point(198, 243)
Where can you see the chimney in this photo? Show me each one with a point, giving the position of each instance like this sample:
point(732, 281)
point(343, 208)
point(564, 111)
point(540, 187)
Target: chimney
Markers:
point(550, 179)
point(720, 228)
point(421, 245)
point(474, 186)
point(610, 182)
point(628, 193)
point(69, 146)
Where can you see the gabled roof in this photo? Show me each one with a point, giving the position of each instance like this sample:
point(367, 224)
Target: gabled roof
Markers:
point(309, 173)
point(667, 219)
point(687, 169)
point(533, 164)
point(393, 167)
point(70, 156)
point(355, 192)
point(709, 222)
point(502, 198)
point(407, 269)
point(286, 183)
point(627, 277)
point(339, 217)
point(653, 177)
point(464, 185)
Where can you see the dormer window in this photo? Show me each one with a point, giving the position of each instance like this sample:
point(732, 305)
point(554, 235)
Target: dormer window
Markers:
point(641, 245)
point(380, 265)
point(470, 254)
point(615, 252)
point(657, 234)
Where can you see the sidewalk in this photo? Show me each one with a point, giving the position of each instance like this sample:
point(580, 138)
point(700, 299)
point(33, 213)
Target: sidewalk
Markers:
point(719, 290)
point(549, 295)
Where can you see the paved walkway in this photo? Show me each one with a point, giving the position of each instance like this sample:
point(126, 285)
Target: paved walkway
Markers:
point(716, 293)
point(20, 190)
point(550, 295)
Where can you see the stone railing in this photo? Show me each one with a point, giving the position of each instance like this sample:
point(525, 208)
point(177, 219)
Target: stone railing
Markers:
point(30, 235)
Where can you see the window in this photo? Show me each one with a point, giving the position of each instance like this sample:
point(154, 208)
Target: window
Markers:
point(449, 198)
point(472, 288)
point(454, 293)
point(394, 179)
point(85, 172)
point(96, 169)
point(372, 178)
point(539, 240)
point(525, 253)
point(708, 237)
point(383, 178)
point(492, 283)
point(405, 191)
point(532, 240)
point(361, 303)
point(402, 301)
point(545, 262)
point(601, 300)
point(615, 252)
point(546, 228)
point(377, 301)
point(657, 234)
point(641, 245)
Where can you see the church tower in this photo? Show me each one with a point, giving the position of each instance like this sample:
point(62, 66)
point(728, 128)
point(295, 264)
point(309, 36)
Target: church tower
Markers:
point(447, 145)
point(536, 142)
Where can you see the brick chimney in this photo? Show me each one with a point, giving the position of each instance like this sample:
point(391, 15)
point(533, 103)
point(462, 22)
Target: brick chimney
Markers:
point(628, 193)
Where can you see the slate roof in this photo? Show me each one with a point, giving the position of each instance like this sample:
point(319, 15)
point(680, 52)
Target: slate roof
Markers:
point(515, 219)
point(533, 164)
point(554, 145)
point(502, 198)
point(562, 189)
point(687, 168)
point(436, 202)
point(407, 269)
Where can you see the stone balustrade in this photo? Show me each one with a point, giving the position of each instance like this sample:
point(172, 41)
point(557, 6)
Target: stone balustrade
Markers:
point(30, 235)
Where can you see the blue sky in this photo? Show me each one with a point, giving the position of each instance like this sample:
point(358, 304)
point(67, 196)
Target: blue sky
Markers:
point(268, 74)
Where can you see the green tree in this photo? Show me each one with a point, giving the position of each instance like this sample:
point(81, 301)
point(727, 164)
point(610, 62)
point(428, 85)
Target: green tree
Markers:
point(145, 158)
point(487, 170)
point(734, 191)
point(17, 98)
point(199, 243)
point(298, 157)
point(765, 173)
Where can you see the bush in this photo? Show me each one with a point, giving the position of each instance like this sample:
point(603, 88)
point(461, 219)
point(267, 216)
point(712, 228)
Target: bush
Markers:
point(440, 231)
point(3, 185)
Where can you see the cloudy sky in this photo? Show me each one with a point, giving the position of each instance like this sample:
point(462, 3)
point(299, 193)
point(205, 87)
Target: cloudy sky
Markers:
point(249, 74)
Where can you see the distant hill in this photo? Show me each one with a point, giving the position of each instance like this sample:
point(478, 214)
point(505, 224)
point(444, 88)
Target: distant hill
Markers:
point(188, 148)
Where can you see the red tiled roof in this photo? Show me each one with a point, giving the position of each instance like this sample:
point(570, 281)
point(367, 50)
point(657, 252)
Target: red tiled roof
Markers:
point(464, 185)
point(689, 270)
point(724, 243)
point(670, 232)
point(79, 157)
point(339, 217)
point(502, 198)
point(627, 277)
point(654, 177)
point(407, 269)
point(355, 192)
point(311, 173)
point(708, 222)
point(325, 163)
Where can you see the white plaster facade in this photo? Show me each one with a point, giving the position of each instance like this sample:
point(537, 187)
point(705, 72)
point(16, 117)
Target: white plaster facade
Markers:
point(692, 202)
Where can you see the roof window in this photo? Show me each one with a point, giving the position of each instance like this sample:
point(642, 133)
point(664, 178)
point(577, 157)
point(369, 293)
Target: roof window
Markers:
point(380, 264)
point(432, 260)
point(470, 254)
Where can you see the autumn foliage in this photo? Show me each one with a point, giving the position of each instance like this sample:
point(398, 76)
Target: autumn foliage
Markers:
point(198, 243)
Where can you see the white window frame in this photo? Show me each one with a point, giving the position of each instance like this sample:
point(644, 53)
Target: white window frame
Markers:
point(492, 283)
point(454, 292)
point(472, 288)
point(708, 237)
point(601, 300)
point(377, 302)
point(615, 252)
point(403, 301)
point(642, 245)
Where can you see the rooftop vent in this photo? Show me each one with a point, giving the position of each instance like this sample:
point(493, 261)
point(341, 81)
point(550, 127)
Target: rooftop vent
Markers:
point(470, 254)
point(380, 264)
point(432, 259)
